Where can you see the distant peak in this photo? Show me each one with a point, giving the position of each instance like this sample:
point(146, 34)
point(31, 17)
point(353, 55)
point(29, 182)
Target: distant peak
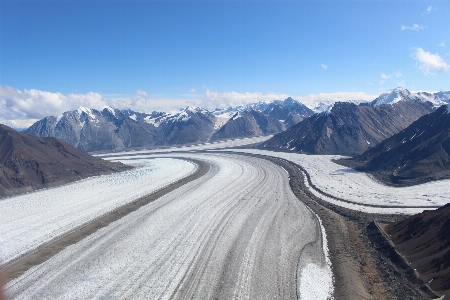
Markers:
point(392, 96)
point(110, 109)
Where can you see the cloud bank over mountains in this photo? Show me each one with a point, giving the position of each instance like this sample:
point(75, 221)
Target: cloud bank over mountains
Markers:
point(21, 108)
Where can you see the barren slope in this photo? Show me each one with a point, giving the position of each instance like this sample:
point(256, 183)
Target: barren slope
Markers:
point(29, 162)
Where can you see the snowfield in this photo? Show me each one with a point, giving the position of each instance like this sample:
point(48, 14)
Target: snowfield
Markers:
point(359, 191)
point(237, 232)
point(198, 147)
point(36, 218)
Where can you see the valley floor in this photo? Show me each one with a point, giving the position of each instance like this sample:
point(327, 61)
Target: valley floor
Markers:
point(237, 232)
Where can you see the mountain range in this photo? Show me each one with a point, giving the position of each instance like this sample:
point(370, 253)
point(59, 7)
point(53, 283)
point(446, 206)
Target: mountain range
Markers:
point(349, 129)
point(28, 162)
point(113, 129)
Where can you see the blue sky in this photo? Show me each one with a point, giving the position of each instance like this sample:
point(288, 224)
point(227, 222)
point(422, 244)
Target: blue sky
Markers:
point(173, 52)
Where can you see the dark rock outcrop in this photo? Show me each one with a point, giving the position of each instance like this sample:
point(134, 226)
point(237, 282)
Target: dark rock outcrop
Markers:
point(423, 240)
point(419, 153)
point(29, 162)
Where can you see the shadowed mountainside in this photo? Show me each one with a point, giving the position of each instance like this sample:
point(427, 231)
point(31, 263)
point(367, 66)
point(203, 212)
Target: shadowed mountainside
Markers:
point(424, 241)
point(348, 129)
point(28, 162)
point(417, 154)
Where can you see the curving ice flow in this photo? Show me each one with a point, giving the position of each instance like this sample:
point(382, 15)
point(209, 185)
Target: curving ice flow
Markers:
point(359, 189)
point(30, 220)
point(237, 232)
point(198, 147)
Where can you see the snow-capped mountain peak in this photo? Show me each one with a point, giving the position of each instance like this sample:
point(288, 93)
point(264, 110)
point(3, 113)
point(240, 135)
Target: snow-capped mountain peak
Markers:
point(394, 96)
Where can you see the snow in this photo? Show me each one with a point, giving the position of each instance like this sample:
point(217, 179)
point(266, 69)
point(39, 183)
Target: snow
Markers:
point(358, 190)
point(182, 117)
point(153, 121)
point(222, 119)
point(392, 96)
point(328, 110)
point(236, 116)
point(35, 218)
point(87, 111)
point(194, 109)
point(316, 280)
point(133, 117)
point(239, 226)
point(110, 109)
point(196, 147)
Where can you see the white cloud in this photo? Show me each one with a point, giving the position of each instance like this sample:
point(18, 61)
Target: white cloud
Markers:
point(17, 106)
point(334, 97)
point(428, 10)
point(429, 62)
point(368, 82)
point(325, 67)
point(384, 76)
point(193, 91)
point(441, 44)
point(214, 99)
point(20, 109)
point(415, 27)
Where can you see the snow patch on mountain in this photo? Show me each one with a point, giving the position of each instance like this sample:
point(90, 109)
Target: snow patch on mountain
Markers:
point(87, 111)
point(222, 119)
point(110, 109)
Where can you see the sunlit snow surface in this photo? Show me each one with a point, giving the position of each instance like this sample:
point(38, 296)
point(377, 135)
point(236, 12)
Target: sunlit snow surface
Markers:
point(33, 219)
point(361, 190)
point(197, 147)
point(241, 217)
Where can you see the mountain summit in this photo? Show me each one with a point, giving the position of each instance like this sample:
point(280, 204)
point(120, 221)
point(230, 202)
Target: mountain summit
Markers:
point(350, 129)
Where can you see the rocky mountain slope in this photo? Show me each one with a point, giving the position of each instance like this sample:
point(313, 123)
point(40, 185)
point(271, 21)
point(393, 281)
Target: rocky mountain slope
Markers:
point(28, 162)
point(288, 111)
point(249, 122)
point(419, 153)
point(112, 129)
point(424, 242)
point(349, 129)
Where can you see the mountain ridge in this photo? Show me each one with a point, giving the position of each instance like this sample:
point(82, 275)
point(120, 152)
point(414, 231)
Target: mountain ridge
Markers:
point(350, 129)
point(111, 129)
point(417, 154)
point(28, 162)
